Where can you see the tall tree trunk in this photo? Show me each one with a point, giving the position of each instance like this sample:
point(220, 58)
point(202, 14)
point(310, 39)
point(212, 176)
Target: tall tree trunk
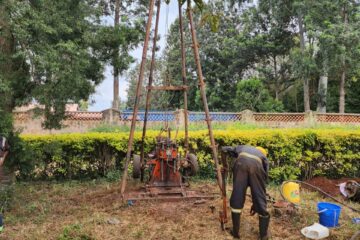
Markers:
point(342, 92)
point(343, 73)
point(116, 102)
point(305, 78)
point(277, 83)
point(137, 98)
point(322, 90)
point(296, 101)
point(7, 49)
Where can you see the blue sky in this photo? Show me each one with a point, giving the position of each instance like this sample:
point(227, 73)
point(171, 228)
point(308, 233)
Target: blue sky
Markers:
point(104, 92)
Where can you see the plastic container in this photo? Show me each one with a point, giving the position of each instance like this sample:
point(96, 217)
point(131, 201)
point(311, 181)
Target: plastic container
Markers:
point(291, 192)
point(356, 220)
point(329, 214)
point(315, 231)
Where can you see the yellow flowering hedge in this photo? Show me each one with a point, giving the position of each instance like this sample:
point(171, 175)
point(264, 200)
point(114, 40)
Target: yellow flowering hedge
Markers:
point(293, 153)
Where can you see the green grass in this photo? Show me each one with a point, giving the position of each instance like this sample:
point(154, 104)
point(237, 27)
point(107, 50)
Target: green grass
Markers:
point(218, 126)
point(192, 127)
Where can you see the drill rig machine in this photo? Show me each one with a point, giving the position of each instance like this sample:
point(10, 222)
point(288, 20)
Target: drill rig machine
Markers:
point(167, 167)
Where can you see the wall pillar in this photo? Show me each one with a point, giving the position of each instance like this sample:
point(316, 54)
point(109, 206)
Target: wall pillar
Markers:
point(180, 117)
point(111, 116)
point(247, 116)
point(310, 118)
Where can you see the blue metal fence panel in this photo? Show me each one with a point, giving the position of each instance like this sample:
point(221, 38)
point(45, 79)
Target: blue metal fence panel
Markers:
point(224, 117)
point(170, 116)
point(152, 116)
point(215, 116)
point(196, 116)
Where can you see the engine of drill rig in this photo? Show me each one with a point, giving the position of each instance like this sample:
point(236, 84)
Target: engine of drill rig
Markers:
point(166, 165)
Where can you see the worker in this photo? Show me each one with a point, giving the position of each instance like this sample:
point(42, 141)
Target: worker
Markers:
point(250, 168)
point(4, 151)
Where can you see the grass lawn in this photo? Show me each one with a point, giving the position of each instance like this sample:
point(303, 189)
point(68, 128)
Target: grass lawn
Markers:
point(196, 126)
point(93, 210)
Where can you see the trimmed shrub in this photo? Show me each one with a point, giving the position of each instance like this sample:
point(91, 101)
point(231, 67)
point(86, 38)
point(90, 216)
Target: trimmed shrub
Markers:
point(292, 153)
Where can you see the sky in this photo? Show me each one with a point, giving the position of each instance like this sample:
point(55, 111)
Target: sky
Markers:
point(104, 92)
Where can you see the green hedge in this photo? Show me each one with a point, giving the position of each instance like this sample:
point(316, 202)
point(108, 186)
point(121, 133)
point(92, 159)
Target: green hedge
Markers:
point(292, 153)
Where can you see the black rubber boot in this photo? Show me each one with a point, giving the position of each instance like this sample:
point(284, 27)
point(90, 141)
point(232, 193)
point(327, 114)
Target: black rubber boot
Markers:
point(263, 227)
point(236, 224)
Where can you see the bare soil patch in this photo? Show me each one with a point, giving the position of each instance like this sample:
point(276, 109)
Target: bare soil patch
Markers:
point(329, 185)
point(94, 210)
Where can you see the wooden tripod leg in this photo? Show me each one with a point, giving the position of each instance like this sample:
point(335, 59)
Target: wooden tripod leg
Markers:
point(203, 94)
point(148, 94)
point(137, 99)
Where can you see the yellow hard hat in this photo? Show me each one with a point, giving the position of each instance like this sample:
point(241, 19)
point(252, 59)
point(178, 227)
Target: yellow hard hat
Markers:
point(262, 150)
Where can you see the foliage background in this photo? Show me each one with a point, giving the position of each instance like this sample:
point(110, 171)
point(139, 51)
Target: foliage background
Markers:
point(292, 153)
point(312, 69)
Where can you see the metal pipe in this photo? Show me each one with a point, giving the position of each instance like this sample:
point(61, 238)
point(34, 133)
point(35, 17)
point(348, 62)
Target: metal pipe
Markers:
point(148, 94)
point(185, 82)
point(137, 98)
point(203, 94)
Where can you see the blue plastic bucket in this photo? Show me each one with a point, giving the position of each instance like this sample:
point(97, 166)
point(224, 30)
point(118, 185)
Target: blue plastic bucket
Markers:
point(329, 214)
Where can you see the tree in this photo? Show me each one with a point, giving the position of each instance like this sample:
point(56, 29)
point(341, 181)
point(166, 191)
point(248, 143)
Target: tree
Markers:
point(116, 100)
point(83, 105)
point(269, 23)
point(277, 29)
point(348, 41)
point(53, 52)
point(159, 99)
point(219, 55)
point(251, 94)
point(300, 17)
point(327, 24)
point(48, 55)
point(9, 68)
point(352, 99)
point(117, 41)
point(335, 26)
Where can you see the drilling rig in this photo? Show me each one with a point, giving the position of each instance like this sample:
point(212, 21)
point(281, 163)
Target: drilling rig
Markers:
point(168, 168)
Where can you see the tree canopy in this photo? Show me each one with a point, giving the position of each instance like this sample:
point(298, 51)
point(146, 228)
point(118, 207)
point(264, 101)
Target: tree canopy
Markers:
point(304, 52)
point(252, 95)
point(54, 52)
point(301, 55)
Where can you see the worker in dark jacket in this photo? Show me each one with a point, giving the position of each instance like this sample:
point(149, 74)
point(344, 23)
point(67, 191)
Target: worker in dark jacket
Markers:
point(4, 149)
point(249, 169)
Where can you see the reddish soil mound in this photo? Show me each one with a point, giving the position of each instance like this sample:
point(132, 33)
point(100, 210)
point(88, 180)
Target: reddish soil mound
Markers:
point(328, 185)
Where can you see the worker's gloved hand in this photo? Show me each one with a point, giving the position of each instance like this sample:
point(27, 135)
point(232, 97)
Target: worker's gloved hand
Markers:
point(252, 211)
